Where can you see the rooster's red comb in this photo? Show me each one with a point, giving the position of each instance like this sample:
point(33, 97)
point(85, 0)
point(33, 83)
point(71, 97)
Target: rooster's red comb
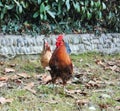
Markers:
point(60, 37)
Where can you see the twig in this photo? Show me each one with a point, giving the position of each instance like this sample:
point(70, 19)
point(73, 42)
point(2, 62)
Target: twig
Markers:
point(51, 102)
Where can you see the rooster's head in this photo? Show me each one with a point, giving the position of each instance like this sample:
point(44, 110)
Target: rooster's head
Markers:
point(59, 40)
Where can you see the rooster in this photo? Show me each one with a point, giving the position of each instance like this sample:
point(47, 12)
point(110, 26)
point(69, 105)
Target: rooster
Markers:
point(60, 63)
point(45, 55)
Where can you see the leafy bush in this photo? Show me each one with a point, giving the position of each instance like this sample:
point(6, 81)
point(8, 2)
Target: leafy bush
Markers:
point(56, 16)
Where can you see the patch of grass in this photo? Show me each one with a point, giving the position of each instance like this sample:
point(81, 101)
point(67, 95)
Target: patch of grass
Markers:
point(29, 67)
point(45, 98)
point(82, 60)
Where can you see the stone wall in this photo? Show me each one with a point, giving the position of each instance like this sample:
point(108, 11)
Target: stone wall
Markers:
point(12, 45)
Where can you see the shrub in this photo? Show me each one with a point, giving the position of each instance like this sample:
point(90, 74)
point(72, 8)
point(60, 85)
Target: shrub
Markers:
point(57, 16)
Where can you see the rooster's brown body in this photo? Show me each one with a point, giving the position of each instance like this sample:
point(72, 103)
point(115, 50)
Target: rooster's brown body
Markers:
point(60, 63)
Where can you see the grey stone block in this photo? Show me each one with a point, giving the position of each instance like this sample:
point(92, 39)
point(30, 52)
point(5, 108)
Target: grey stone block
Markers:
point(79, 43)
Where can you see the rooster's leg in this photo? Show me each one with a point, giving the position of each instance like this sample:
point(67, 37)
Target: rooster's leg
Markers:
point(54, 86)
point(64, 87)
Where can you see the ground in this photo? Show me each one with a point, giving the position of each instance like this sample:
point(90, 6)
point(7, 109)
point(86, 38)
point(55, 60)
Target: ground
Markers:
point(95, 85)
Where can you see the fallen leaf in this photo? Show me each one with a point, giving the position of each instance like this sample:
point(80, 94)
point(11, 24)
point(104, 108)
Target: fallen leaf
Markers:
point(111, 63)
point(99, 62)
point(37, 76)
point(73, 91)
point(82, 102)
point(24, 75)
point(113, 68)
point(117, 107)
point(46, 78)
point(29, 87)
point(117, 70)
point(18, 81)
point(2, 84)
point(14, 77)
point(117, 99)
point(8, 70)
point(1, 63)
point(4, 100)
point(91, 84)
point(12, 65)
point(5, 78)
point(103, 106)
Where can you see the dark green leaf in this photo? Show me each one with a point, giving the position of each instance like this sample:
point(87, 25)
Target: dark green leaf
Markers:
point(92, 3)
point(56, 0)
point(42, 8)
point(45, 17)
point(23, 4)
point(41, 16)
point(47, 7)
point(110, 15)
point(52, 14)
point(76, 6)
point(1, 16)
point(36, 14)
point(68, 4)
point(9, 6)
point(100, 14)
point(103, 5)
point(1, 4)
point(39, 1)
point(20, 9)
point(81, 2)
point(89, 15)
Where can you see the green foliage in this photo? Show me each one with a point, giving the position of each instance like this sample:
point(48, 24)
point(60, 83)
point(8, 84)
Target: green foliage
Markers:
point(56, 16)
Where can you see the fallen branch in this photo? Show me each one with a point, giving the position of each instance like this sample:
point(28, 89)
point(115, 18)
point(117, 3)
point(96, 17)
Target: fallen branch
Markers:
point(51, 102)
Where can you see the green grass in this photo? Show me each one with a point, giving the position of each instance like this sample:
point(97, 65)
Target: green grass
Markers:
point(45, 98)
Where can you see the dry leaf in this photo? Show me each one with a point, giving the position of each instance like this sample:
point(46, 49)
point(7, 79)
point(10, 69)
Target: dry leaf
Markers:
point(46, 78)
point(117, 99)
point(4, 100)
point(82, 102)
point(99, 62)
point(103, 106)
point(14, 77)
point(117, 70)
point(12, 65)
point(18, 81)
point(113, 68)
point(91, 84)
point(29, 87)
point(117, 107)
point(37, 76)
point(5, 78)
point(111, 63)
point(2, 84)
point(8, 70)
point(24, 75)
point(1, 63)
point(73, 91)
